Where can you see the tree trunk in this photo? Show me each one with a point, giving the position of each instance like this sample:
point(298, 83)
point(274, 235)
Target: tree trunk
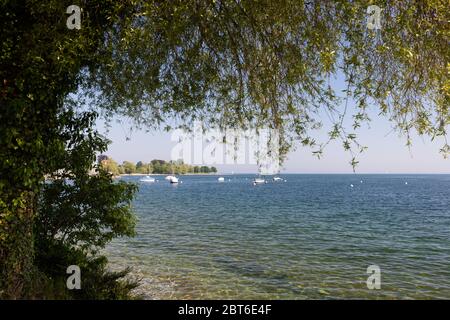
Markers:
point(16, 247)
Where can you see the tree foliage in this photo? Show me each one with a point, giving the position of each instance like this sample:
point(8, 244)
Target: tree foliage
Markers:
point(75, 219)
point(42, 134)
point(110, 166)
point(272, 63)
point(155, 166)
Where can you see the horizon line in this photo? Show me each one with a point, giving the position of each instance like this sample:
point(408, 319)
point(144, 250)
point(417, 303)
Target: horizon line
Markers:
point(235, 173)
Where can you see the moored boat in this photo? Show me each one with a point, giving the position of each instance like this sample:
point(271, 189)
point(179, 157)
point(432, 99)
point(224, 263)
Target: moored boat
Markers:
point(173, 179)
point(147, 179)
point(258, 181)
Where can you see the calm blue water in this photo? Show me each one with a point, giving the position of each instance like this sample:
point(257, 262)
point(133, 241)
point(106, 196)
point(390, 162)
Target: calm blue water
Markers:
point(310, 237)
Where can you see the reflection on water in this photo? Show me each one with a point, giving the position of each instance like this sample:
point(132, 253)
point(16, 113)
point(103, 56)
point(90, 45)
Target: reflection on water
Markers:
point(310, 237)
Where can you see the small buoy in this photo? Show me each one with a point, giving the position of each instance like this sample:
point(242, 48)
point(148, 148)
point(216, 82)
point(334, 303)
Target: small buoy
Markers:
point(406, 182)
point(351, 185)
point(361, 181)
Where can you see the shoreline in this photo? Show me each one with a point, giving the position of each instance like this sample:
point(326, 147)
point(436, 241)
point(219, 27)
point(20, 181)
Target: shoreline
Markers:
point(165, 174)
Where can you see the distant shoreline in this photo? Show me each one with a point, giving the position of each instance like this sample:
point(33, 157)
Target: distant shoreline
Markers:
point(165, 174)
point(279, 174)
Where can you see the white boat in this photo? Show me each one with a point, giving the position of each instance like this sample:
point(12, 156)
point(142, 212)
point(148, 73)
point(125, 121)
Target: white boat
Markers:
point(169, 178)
point(221, 179)
point(173, 179)
point(258, 181)
point(147, 179)
point(277, 179)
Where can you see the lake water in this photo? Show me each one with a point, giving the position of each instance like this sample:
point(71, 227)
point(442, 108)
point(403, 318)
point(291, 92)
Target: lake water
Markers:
point(311, 237)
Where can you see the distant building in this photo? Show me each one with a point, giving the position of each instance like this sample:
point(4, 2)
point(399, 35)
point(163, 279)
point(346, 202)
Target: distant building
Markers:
point(101, 158)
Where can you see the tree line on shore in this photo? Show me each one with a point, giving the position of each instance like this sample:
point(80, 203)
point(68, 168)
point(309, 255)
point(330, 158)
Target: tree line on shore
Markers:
point(154, 166)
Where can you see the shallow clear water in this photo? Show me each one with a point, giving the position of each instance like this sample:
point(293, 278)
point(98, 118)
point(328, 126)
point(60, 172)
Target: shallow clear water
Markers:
point(310, 237)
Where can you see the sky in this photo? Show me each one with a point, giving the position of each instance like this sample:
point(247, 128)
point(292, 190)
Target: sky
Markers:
point(386, 153)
